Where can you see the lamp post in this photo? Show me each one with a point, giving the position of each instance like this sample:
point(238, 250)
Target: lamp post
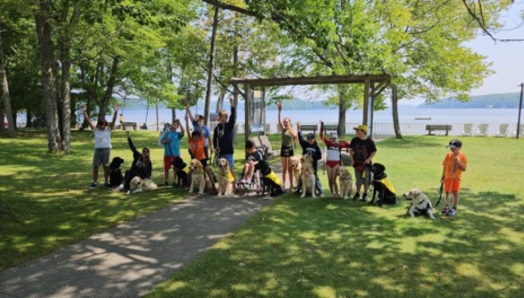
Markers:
point(520, 109)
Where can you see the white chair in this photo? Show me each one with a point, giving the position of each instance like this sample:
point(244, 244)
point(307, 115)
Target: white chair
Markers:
point(521, 130)
point(482, 130)
point(468, 129)
point(503, 131)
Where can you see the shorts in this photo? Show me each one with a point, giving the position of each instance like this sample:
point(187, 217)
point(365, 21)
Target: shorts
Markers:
point(363, 177)
point(168, 161)
point(332, 163)
point(204, 162)
point(101, 157)
point(451, 188)
point(286, 151)
point(229, 158)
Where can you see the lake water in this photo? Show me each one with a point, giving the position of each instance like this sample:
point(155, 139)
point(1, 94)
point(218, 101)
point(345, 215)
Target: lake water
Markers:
point(382, 119)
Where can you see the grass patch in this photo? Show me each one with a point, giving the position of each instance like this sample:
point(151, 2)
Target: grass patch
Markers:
point(324, 248)
point(44, 200)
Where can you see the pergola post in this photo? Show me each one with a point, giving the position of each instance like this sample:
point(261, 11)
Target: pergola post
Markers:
point(246, 110)
point(365, 104)
point(371, 109)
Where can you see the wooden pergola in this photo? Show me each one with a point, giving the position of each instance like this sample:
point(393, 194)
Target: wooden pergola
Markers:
point(373, 86)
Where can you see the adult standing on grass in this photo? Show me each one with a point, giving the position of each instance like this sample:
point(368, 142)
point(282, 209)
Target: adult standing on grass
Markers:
point(286, 150)
point(141, 166)
point(198, 121)
point(121, 119)
point(171, 141)
point(362, 151)
point(102, 145)
point(223, 137)
point(453, 165)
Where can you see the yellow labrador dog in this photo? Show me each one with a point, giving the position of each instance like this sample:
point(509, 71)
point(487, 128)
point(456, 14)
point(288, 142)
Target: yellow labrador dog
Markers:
point(225, 178)
point(347, 186)
point(198, 176)
point(307, 176)
point(296, 168)
point(138, 184)
point(420, 203)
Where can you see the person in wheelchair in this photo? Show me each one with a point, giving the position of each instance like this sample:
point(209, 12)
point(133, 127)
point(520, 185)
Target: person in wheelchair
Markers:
point(255, 162)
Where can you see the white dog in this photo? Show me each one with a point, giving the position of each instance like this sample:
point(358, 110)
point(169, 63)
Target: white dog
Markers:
point(420, 203)
point(225, 178)
point(138, 184)
point(347, 187)
point(198, 177)
point(307, 176)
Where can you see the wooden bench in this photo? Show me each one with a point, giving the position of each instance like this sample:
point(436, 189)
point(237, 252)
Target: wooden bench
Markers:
point(132, 124)
point(308, 127)
point(438, 127)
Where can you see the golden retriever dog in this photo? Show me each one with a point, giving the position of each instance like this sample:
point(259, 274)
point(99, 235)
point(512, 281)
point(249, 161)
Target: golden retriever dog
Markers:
point(347, 186)
point(308, 179)
point(198, 176)
point(138, 184)
point(225, 178)
point(420, 203)
point(296, 168)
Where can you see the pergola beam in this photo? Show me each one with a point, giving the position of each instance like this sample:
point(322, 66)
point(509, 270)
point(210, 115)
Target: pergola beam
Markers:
point(318, 80)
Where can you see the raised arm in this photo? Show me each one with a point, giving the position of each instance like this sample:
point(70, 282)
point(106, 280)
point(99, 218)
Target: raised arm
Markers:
point(187, 127)
point(182, 131)
point(84, 111)
point(188, 112)
point(112, 125)
point(233, 116)
point(131, 145)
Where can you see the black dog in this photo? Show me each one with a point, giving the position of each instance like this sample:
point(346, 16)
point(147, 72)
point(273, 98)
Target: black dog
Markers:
point(382, 186)
point(115, 173)
point(182, 176)
point(271, 188)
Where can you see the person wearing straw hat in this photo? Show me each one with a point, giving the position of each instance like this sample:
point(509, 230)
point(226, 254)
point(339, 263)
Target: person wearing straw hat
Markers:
point(362, 151)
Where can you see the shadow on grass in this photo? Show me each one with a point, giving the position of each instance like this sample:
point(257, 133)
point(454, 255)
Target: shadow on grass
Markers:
point(320, 248)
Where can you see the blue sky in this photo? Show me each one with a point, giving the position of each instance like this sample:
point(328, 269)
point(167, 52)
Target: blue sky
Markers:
point(507, 57)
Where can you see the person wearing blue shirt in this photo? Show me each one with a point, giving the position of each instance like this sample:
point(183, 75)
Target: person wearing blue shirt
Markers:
point(199, 119)
point(171, 142)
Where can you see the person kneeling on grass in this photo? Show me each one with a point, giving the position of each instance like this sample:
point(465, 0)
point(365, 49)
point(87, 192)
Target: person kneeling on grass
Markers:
point(255, 161)
point(141, 166)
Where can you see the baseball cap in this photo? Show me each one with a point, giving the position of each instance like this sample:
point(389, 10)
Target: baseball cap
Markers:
point(362, 127)
point(310, 136)
point(455, 143)
point(333, 135)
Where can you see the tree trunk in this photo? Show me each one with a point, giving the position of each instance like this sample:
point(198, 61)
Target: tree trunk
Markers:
point(44, 33)
point(342, 108)
point(109, 88)
point(394, 109)
point(5, 93)
point(211, 64)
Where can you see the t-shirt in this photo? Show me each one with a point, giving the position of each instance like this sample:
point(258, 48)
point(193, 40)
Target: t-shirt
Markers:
point(103, 137)
point(172, 148)
point(197, 148)
point(449, 166)
point(205, 131)
point(362, 149)
point(262, 165)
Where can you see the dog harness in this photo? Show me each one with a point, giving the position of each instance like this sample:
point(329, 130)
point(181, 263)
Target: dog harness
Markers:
point(387, 184)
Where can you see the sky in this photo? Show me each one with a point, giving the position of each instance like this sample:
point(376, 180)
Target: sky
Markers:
point(507, 57)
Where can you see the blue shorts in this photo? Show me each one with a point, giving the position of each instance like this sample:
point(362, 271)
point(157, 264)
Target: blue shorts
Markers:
point(229, 158)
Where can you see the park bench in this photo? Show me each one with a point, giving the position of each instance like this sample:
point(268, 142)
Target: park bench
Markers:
point(131, 124)
point(438, 127)
point(262, 142)
point(308, 127)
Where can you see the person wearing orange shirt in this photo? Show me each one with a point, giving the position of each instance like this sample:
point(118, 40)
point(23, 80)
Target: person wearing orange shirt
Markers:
point(197, 151)
point(453, 165)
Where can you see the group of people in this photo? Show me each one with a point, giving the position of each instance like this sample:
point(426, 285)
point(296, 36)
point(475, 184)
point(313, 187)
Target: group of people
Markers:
point(362, 150)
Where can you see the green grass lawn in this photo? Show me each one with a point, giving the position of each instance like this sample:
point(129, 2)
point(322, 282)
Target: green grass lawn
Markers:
point(294, 247)
point(325, 248)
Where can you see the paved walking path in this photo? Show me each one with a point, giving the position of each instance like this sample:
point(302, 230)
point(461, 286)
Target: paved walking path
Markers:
point(131, 259)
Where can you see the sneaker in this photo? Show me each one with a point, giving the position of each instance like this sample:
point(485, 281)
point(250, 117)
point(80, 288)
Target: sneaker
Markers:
point(452, 212)
point(247, 181)
point(106, 184)
point(445, 211)
point(356, 196)
point(364, 198)
point(164, 184)
point(213, 192)
point(93, 185)
point(118, 188)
